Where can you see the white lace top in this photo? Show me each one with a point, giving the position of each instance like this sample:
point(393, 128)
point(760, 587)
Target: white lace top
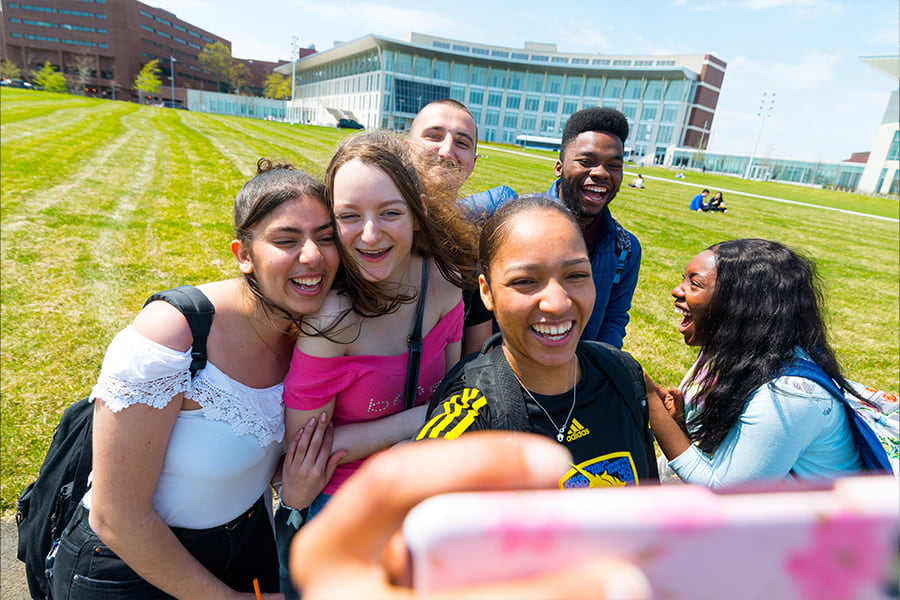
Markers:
point(221, 457)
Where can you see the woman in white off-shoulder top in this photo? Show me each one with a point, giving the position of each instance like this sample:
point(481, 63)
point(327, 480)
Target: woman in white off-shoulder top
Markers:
point(182, 467)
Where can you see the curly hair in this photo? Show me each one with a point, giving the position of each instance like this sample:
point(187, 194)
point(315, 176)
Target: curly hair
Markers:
point(442, 234)
point(767, 302)
point(596, 118)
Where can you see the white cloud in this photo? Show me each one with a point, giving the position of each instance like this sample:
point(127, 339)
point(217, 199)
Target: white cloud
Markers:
point(813, 69)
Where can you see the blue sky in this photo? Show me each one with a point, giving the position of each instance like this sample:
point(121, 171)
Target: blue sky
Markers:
point(828, 103)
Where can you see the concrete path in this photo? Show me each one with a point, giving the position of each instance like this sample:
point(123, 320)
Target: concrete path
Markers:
point(12, 570)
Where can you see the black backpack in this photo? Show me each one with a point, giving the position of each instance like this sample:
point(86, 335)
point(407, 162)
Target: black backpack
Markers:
point(45, 507)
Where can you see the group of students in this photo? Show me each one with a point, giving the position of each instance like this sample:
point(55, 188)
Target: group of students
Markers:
point(308, 356)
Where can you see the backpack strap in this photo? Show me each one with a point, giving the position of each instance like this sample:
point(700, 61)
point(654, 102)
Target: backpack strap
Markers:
point(198, 311)
point(623, 249)
point(871, 450)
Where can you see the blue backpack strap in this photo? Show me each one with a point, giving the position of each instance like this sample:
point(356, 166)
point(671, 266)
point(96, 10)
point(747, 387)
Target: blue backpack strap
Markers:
point(871, 452)
point(623, 249)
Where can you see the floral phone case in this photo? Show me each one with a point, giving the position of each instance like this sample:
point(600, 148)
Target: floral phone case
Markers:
point(786, 542)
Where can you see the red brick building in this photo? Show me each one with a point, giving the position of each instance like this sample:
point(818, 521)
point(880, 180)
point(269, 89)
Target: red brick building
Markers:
point(108, 42)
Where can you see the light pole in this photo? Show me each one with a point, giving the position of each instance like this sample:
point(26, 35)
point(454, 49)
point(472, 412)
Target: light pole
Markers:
point(172, 79)
point(295, 46)
point(765, 111)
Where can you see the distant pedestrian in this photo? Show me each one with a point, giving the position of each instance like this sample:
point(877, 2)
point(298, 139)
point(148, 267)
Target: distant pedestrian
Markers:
point(717, 204)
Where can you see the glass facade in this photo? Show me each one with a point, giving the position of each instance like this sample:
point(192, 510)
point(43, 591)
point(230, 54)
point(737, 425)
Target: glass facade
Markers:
point(510, 93)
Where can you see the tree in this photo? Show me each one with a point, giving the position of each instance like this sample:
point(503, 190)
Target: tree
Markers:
point(49, 79)
point(277, 86)
point(84, 70)
point(230, 74)
point(10, 70)
point(148, 81)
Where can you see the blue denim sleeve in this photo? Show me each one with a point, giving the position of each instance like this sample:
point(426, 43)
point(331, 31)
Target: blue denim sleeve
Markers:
point(612, 328)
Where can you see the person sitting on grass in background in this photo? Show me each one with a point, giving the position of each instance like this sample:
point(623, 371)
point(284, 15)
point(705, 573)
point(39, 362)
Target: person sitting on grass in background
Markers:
point(536, 279)
point(637, 182)
point(752, 307)
point(717, 204)
point(697, 201)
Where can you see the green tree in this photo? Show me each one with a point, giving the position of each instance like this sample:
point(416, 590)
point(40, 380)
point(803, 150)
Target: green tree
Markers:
point(148, 81)
point(277, 86)
point(10, 70)
point(231, 74)
point(49, 79)
point(216, 58)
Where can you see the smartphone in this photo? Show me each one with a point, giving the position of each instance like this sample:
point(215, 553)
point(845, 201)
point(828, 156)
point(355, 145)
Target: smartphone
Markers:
point(785, 542)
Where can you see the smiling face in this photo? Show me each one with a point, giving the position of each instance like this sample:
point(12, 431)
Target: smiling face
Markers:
point(540, 289)
point(590, 172)
point(443, 139)
point(694, 295)
point(374, 221)
point(293, 255)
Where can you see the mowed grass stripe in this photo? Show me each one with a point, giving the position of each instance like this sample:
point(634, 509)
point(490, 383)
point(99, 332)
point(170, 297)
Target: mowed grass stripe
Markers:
point(102, 211)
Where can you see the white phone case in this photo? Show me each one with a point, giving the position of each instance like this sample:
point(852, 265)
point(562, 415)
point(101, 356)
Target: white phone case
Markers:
point(785, 543)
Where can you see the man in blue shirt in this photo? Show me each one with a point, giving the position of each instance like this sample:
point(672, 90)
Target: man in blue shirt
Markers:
point(697, 202)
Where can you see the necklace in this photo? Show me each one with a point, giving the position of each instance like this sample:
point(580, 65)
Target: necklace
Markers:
point(264, 342)
point(561, 431)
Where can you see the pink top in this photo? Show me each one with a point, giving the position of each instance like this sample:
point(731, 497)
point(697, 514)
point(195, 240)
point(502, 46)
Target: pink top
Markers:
point(368, 387)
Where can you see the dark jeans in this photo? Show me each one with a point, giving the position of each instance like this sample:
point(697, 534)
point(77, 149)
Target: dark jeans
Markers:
point(284, 534)
point(86, 569)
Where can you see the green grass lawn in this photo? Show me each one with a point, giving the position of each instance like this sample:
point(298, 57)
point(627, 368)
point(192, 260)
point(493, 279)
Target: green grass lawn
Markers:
point(105, 202)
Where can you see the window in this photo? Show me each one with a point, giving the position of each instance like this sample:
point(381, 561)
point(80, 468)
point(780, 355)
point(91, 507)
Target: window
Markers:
point(498, 78)
point(633, 89)
point(513, 101)
point(554, 84)
point(163, 21)
point(535, 82)
point(643, 63)
point(654, 90)
point(532, 103)
point(630, 111)
point(476, 97)
point(423, 66)
point(673, 90)
point(514, 80)
point(528, 123)
point(669, 114)
point(437, 44)
point(574, 85)
point(441, 70)
point(459, 48)
point(664, 134)
point(550, 106)
point(495, 98)
point(613, 89)
point(519, 56)
point(548, 125)
point(479, 76)
point(460, 73)
point(482, 51)
point(570, 106)
point(580, 61)
point(648, 113)
point(500, 53)
point(592, 87)
point(510, 121)
point(492, 118)
point(539, 58)
point(621, 63)
point(404, 64)
point(600, 61)
point(560, 59)
point(894, 150)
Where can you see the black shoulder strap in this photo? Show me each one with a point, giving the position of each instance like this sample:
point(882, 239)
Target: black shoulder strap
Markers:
point(507, 401)
point(627, 377)
point(415, 342)
point(198, 311)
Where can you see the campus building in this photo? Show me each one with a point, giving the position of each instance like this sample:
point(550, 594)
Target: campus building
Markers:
point(104, 44)
point(882, 172)
point(516, 94)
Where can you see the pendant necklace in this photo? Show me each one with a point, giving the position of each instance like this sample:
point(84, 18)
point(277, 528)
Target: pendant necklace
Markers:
point(561, 431)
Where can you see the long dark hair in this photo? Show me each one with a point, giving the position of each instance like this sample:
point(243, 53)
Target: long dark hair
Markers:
point(767, 302)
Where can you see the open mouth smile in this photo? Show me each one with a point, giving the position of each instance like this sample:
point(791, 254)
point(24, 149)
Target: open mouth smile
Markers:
point(553, 333)
point(373, 255)
point(308, 285)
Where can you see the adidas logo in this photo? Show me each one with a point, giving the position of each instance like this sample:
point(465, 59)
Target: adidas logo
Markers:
point(576, 430)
